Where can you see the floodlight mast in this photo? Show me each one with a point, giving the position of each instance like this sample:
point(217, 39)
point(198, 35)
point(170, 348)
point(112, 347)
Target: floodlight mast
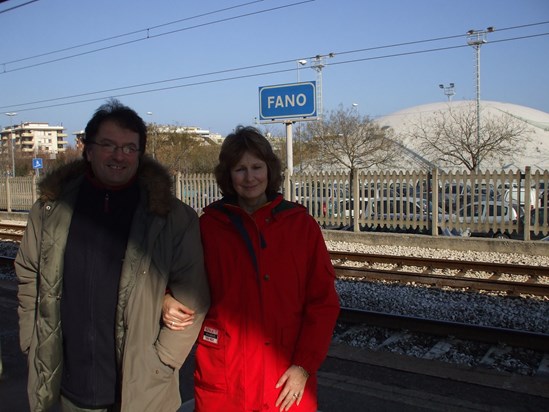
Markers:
point(448, 90)
point(475, 39)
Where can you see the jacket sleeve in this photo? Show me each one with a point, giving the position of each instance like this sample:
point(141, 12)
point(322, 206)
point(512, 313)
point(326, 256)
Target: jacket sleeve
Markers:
point(27, 270)
point(321, 306)
point(188, 284)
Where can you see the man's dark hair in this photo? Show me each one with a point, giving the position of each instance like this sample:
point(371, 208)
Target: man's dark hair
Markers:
point(123, 116)
point(246, 139)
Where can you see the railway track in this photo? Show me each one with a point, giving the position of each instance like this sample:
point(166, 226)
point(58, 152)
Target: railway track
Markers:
point(496, 277)
point(508, 278)
point(487, 334)
point(12, 231)
point(471, 348)
point(492, 335)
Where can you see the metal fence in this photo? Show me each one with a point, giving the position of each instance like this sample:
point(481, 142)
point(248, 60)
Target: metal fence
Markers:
point(512, 204)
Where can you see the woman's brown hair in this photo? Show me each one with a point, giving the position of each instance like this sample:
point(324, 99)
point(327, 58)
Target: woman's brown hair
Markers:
point(246, 139)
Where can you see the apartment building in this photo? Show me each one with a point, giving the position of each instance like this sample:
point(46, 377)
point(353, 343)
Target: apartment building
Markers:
point(34, 138)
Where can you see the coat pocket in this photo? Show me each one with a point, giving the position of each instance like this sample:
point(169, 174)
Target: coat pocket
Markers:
point(210, 372)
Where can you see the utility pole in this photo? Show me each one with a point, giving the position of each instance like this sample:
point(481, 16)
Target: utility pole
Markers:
point(11, 115)
point(318, 64)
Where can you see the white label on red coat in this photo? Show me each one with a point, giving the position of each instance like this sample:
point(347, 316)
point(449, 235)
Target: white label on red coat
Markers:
point(211, 334)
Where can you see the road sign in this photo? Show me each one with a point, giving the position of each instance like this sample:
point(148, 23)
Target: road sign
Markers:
point(37, 163)
point(287, 101)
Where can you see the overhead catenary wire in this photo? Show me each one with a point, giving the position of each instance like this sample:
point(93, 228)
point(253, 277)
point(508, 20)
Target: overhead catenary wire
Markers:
point(145, 32)
point(20, 107)
point(16, 7)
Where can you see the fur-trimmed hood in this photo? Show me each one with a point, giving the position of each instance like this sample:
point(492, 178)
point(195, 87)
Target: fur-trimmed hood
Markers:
point(153, 178)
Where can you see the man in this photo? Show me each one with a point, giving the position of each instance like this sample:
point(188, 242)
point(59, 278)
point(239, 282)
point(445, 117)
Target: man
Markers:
point(102, 243)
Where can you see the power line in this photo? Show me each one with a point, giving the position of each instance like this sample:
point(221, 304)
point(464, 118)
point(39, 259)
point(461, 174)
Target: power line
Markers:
point(433, 50)
point(146, 30)
point(146, 33)
point(16, 7)
point(439, 49)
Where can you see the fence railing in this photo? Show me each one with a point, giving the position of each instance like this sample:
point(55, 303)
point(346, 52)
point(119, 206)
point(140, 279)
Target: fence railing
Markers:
point(501, 204)
point(18, 193)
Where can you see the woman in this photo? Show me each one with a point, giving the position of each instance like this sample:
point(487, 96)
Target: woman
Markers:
point(273, 300)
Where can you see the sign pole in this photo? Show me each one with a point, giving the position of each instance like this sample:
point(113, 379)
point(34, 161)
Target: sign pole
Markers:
point(289, 161)
point(289, 148)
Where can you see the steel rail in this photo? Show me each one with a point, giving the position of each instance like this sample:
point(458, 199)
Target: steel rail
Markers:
point(461, 265)
point(488, 334)
point(6, 260)
point(510, 287)
point(12, 231)
point(13, 226)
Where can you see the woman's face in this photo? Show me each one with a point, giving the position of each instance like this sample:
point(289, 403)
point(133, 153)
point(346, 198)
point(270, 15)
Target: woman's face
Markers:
point(250, 177)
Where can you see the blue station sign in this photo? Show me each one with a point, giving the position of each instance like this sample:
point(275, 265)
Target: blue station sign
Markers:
point(287, 101)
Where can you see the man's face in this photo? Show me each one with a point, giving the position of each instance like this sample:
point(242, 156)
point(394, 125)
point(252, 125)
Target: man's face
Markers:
point(109, 162)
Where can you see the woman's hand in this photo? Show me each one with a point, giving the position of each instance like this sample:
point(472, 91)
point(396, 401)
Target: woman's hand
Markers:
point(176, 315)
point(293, 385)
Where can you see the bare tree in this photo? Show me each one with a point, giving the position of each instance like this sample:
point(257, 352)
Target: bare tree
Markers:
point(203, 159)
point(304, 151)
point(352, 141)
point(70, 154)
point(171, 146)
point(450, 137)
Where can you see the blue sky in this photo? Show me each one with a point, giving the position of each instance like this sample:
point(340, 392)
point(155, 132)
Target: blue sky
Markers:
point(91, 50)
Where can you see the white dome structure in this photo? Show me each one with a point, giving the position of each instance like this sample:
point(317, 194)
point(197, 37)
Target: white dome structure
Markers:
point(536, 152)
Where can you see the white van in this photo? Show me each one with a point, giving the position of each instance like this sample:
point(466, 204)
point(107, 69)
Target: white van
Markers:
point(512, 196)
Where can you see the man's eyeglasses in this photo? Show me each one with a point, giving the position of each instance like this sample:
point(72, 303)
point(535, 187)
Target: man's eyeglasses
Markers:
point(111, 148)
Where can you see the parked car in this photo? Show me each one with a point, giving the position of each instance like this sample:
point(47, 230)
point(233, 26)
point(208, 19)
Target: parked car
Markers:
point(539, 223)
point(456, 193)
point(516, 195)
point(484, 191)
point(488, 211)
point(319, 200)
point(394, 209)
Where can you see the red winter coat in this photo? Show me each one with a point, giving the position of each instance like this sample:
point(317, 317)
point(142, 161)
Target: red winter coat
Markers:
point(261, 321)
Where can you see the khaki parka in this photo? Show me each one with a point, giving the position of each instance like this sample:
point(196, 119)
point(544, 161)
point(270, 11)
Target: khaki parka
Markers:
point(164, 248)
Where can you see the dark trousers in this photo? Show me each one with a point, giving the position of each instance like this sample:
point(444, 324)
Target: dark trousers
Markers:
point(68, 406)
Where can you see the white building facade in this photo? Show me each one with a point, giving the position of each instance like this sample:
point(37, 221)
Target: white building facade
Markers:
point(31, 138)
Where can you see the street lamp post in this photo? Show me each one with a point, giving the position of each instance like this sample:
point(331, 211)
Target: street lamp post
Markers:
point(289, 132)
point(11, 115)
point(153, 138)
point(475, 39)
point(300, 63)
